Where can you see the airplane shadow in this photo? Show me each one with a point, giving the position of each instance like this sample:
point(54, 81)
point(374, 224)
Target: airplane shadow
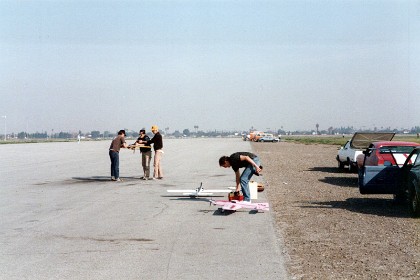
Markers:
point(370, 206)
point(220, 212)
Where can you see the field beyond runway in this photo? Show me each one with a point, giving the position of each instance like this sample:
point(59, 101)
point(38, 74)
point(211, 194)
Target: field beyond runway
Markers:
point(62, 218)
point(330, 230)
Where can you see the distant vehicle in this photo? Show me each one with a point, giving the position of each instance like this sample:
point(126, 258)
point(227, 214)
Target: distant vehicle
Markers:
point(268, 138)
point(252, 135)
point(402, 182)
point(257, 136)
point(347, 155)
point(385, 152)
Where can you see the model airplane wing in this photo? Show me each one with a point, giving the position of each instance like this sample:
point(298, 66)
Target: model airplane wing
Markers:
point(200, 191)
point(182, 191)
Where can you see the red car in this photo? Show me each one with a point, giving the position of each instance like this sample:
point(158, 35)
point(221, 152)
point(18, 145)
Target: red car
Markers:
point(386, 153)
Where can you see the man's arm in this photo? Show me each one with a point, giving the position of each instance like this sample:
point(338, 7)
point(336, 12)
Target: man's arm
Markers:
point(248, 159)
point(238, 181)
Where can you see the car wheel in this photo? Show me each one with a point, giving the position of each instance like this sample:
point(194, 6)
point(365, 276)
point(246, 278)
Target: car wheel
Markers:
point(349, 165)
point(340, 164)
point(399, 198)
point(414, 201)
point(262, 141)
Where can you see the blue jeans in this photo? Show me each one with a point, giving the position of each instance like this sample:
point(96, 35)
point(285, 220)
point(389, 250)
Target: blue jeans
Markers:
point(115, 164)
point(246, 176)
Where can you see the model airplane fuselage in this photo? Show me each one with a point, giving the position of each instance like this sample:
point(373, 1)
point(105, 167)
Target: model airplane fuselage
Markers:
point(236, 204)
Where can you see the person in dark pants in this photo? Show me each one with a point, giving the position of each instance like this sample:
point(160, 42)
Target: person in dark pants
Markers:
point(158, 147)
point(246, 160)
point(146, 154)
point(116, 144)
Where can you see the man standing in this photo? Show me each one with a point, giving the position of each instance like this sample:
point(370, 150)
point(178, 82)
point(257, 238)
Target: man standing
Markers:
point(146, 154)
point(114, 150)
point(252, 166)
point(157, 146)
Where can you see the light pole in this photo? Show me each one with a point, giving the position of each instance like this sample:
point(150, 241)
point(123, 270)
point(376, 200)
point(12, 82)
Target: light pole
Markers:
point(4, 127)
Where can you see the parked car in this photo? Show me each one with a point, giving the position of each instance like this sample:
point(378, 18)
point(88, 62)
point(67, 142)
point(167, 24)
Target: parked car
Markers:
point(267, 137)
point(403, 182)
point(348, 153)
point(385, 152)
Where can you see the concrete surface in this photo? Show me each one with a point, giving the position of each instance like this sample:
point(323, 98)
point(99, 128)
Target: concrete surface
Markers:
point(62, 218)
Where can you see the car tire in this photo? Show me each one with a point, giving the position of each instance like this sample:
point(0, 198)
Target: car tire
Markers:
point(399, 198)
point(340, 164)
point(413, 201)
point(349, 165)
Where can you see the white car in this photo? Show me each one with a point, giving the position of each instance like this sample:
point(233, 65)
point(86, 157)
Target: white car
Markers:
point(347, 155)
point(267, 137)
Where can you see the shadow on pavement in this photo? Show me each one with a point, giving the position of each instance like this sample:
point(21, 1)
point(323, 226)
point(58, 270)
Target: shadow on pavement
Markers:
point(370, 206)
point(341, 181)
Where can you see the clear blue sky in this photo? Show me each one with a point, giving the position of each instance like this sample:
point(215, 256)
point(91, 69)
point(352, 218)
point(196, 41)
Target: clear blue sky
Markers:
point(106, 65)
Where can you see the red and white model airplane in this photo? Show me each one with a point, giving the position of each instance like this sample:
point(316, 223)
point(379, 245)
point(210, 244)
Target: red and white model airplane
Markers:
point(236, 204)
point(200, 191)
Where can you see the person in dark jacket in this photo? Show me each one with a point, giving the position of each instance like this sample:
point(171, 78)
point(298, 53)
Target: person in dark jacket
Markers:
point(158, 148)
point(114, 150)
point(246, 160)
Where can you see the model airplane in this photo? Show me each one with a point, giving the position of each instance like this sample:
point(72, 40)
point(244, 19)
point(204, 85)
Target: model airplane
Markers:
point(234, 205)
point(200, 191)
point(137, 146)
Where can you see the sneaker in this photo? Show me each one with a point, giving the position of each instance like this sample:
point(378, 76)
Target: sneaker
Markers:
point(119, 180)
point(160, 178)
point(143, 178)
point(112, 178)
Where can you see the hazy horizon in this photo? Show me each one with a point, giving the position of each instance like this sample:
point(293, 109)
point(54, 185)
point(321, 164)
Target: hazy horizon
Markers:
point(228, 65)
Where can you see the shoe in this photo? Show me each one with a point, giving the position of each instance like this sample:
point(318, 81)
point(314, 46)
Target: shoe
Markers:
point(119, 180)
point(112, 178)
point(160, 178)
point(143, 178)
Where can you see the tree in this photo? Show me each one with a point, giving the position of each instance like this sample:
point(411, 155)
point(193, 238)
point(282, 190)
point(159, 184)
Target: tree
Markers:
point(186, 132)
point(177, 133)
point(95, 134)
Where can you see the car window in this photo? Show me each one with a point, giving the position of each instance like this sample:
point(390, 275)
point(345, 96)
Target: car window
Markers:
point(417, 159)
point(396, 149)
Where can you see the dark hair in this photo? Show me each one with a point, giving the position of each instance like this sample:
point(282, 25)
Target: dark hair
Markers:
point(223, 159)
point(122, 131)
point(142, 130)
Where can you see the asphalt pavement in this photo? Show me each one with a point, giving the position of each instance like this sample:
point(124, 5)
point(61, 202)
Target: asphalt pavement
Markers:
point(63, 218)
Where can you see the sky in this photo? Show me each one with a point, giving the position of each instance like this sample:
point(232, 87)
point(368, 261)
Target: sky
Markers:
point(219, 65)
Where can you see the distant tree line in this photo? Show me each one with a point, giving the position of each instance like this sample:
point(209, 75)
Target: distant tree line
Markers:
point(96, 134)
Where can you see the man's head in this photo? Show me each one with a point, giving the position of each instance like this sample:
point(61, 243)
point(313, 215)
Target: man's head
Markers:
point(142, 131)
point(224, 162)
point(155, 129)
point(121, 132)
